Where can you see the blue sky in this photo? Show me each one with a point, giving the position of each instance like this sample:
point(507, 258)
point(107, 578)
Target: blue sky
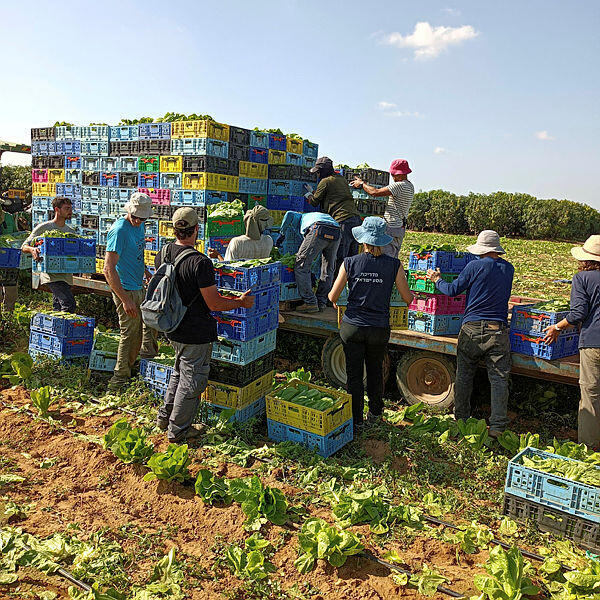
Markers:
point(478, 96)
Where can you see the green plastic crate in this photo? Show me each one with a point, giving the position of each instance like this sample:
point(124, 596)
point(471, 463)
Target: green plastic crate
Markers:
point(418, 282)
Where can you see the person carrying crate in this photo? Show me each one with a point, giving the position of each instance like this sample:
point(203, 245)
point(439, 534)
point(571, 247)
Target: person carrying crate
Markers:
point(59, 283)
point(8, 292)
point(484, 331)
point(401, 192)
point(193, 337)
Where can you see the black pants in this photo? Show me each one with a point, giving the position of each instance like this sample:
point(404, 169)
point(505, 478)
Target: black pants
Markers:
point(348, 245)
point(365, 346)
point(62, 296)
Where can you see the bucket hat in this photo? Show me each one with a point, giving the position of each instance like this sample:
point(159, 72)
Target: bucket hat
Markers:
point(139, 205)
point(487, 241)
point(400, 166)
point(372, 232)
point(589, 251)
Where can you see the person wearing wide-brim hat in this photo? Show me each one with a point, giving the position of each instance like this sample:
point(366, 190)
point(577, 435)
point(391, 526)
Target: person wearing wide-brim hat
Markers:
point(484, 331)
point(365, 326)
point(585, 314)
point(125, 271)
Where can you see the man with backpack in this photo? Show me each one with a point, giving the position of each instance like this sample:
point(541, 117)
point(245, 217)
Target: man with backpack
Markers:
point(179, 302)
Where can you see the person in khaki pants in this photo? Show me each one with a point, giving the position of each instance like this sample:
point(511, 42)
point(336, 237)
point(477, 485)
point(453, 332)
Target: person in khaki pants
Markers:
point(585, 313)
point(125, 271)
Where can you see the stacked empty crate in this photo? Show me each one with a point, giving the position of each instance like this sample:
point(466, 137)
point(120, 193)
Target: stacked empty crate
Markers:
point(61, 335)
point(367, 205)
point(398, 309)
point(431, 311)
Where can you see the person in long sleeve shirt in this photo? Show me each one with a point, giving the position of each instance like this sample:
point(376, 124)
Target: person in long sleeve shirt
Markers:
point(585, 314)
point(487, 283)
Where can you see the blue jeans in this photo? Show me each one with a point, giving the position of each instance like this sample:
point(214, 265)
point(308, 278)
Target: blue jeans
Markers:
point(312, 246)
point(348, 245)
point(62, 296)
point(488, 341)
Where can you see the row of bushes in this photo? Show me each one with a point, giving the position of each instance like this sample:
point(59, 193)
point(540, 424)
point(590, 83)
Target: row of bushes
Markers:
point(514, 215)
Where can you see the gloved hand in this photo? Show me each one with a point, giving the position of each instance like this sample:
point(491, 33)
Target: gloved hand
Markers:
point(280, 239)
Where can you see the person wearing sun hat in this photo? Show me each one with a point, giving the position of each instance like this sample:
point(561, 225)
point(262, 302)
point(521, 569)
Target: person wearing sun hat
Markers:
point(585, 314)
point(401, 192)
point(125, 272)
point(484, 331)
point(365, 327)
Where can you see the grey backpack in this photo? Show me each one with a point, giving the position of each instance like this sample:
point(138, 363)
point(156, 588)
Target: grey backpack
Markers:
point(162, 309)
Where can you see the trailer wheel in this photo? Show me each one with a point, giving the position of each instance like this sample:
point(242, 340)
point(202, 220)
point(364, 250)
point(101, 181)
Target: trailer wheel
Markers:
point(333, 362)
point(427, 377)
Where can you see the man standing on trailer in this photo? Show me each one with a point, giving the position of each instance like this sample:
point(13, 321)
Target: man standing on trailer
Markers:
point(401, 192)
point(125, 272)
point(484, 332)
point(59, 283)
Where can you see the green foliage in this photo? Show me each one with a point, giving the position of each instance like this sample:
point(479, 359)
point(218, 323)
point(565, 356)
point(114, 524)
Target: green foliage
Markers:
point(318, 540)
point(259, 502)
point(170, 465)
point(250, 563)
point(471, 538)
point(21, 365)
point(130, 444)
point(212, 489)
point(473, 431)
point(16, 177)
point(41, 399)
point(572, 470)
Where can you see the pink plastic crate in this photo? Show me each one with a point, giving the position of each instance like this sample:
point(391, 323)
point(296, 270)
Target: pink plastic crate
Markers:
point(39, 175)
point(158, 196)
point(438, 304)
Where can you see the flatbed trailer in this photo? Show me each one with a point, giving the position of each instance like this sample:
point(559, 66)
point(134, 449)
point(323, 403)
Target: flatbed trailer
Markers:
point(426, 368)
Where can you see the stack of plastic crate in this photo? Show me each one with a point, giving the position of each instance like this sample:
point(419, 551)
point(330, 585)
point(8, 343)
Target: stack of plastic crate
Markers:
point(104, 351)
point(10, 261)
point(367, 205)
point(157, 373)
point(325, 431)
point(65, 255)
point(554, 502)
point(432, 312)
point(527, 326)
point(61, 335)
point(398, 309)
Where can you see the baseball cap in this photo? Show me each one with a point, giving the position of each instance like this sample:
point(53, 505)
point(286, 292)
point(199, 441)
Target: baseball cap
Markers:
point(185, 217)
point(322, 161)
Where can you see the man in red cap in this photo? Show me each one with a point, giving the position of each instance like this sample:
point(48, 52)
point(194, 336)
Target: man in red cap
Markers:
point(401, 192)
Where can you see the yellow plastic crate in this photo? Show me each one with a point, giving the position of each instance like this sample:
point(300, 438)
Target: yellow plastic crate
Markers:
point(277, 217)
point(222, 183)
point(165, 229)
point(56, 175)
point(149, 256)
point(193, 181)
point(277, 157)
point(398, 316)
point(254, 170)
point(216, 131)
point(232, 396)
point(320, 422)
point(294, 145)
point(199, 245)
point(200, 129)
point(43, 189)
point(99, 265)
point(171, 164)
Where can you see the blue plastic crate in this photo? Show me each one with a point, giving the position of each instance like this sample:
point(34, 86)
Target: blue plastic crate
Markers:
point(155, 373)
point(575, 498)
point(310, 149)
point(89, 233)
point(152, 243)
point(259, 155)
point(65, 264)
point(209, 197)
point(200, 147)
point(72, 162)
point(294, 203)
point(277, 142)
point(218, 243)
point(105, 223)
point(279, 187)
point(73, 176)
point(43, 148)
point(255, 409)
point(51, 246)
point(264, 300)
point(527, 319)
point(294, 159)
point(70, 190)
point(243, 353)
point(259, 139)
point(110, 164)
point(102, 361)
point(291, 243)
point(94, 207)
point(75, 327)
point(325, 445)
point(246, 278)
point(125, 133)
point(91, 163)
point(26, 261)
point(129, 164)
point(170, 181)
point(532, 344)
point(187, 197)
point(308, 161)
point(95, 192)
point(120, 194)
point(97, 133)
point(67, 132)
point(233, 327)
point(10, 258)
point(297, 189)
point(71, 148)
point(40, 215)
point(446, 262)
point(148, 180)
point(289, 291)
point(154, 131)
point(94, 148)
point(434, 324)
point(109, 179)
point(249, 185)
point(59, 346)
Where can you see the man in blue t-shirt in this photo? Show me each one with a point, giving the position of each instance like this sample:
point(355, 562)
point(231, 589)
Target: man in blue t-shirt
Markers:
point(484, 332)
point(125, 270)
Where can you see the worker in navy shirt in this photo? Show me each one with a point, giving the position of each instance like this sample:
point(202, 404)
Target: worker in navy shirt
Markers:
point(585, 314)
point(484, 332)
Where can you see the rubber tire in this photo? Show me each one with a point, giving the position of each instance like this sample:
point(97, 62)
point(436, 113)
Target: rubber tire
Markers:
point(333, 362)
point(413, 386)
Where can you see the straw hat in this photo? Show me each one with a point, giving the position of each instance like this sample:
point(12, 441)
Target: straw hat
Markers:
point(487, 241)
point(589, 251)
point(140, 206)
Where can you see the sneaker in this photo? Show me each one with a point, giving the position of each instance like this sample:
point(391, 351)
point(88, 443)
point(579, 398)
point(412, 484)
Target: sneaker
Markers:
point(193, 433)
point(307, 308)
point(117, 385)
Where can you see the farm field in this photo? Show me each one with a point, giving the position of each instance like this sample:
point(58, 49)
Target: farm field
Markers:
point(537, 262)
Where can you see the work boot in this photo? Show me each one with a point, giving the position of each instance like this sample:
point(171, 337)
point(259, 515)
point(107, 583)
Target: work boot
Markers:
point(162, 425)
point(307, 308)
point(189, 435)
point(493, 433)
point(117, 385)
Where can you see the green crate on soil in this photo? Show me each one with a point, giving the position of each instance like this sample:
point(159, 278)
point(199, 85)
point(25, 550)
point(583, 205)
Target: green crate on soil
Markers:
point(418, 282)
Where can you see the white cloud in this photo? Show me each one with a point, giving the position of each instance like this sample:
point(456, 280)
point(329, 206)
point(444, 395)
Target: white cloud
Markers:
point(428, 41)
point(383, 105)
point(440, 150)
point(403, 113)
point(451, 11)
point(544, 135)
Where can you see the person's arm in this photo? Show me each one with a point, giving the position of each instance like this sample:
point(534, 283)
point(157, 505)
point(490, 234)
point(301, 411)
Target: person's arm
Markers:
point(458, 286)
point(112, 278)
point(212, 253)
point(402, 286)
point(338, 286)
point(215, 301)
point(372, 191)
point(580, 309)
point(318, 197)
point(27, 248)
